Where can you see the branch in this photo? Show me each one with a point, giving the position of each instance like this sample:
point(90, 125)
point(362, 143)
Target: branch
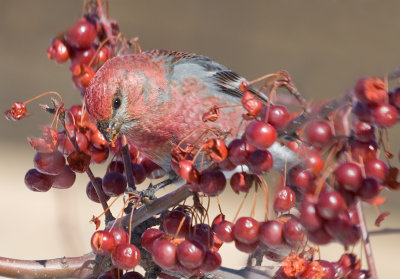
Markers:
point(76, 267)
point(367, 243)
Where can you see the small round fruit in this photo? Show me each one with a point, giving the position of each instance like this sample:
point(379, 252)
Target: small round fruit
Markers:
point(37, 181)
point(148, 237)
point(260, 134)
point(65, 179)
point(330, 204)
point(81, 34)
point(125, 256)
point(190, 253)
point(271, 233)
point(349, 176)
point(212, 183)
point(114, 184)
point(49, 163)
point(103, 243)
point(285, 199)
point(246, 230)
point(164, 253)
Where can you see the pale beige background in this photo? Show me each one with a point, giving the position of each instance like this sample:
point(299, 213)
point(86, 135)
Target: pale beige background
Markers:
point(325, 45)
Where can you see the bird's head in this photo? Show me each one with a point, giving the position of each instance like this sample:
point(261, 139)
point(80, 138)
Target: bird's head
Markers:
point(111, 96)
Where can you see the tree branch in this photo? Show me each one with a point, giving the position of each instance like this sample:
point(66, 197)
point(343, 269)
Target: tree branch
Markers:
point(73, 267)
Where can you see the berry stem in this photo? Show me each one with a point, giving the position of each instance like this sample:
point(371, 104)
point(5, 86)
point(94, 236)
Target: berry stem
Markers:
point(367, 243)
point(126, 157)
point(104, 22)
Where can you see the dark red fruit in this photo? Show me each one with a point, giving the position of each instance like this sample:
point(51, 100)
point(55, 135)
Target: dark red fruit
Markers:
point(116, 166)
point(212, 261)
point(65, 179)
point(319, 236)
point(318, 133)
point(190, 253)
point(293, 232)
point(313, 160)
point(91, 191)
point(153, 170)
point(260, 161)
point(369, 188)
point(139, 173)
point(203, 234)
point(364, 131)
point(246, 230)
point(77, 115)
point(278, 116)
point(120, 235)
point(260, 134)
point(384, 115)
point(172, 221)
point(125, 256)
point(103, 243)
point(308, 213)
point(82, 56)
point(114, 184)
point(246, 247)
point(328, 268)
point(365, 150)
point(188, 171)
point(239, 151)
point(301, 178)
point(49, 163)
point(148, 238)
point(37, 181)
point(224, 231)
point(81, 34)
point(377, 169)
point(241, 182)
point(349, 176)
point(271, 233)
point(81, 75)
point(330, 204)
point(284, 200)
point(164, 253)
point(212, 183)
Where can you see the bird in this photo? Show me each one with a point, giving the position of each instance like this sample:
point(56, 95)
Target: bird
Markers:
point(157, 98)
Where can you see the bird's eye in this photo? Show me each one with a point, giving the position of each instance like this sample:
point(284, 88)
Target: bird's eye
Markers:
point(116, 103)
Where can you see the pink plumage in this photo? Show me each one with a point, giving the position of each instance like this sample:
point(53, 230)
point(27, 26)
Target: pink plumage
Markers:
point(157, 98)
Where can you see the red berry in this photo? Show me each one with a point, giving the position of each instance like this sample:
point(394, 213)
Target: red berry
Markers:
point(260, 134)
point(125, 256)
point(384, 115)
point(114, 184)
point(188, 171)
point(330, 204)
point(37, 181)
point(91, 191)
point(120, 235)
point(212, 261)
point(260, 161)
point(369, 188)
point(246, 247)
point(164, 253)
point(224, 231)
point(318, 132)
point(148, 238)
point(241, 182)
point(278, 116)
point(81, 75)
point(81, 34)
point(103, 243)
point(285, 199)
point(314, 161)
point(49, 163)
point(153, 170)
point(246, 229)
point(203, 234)
point(139, 173)
point(239, 151)
point(293, 232)
point(364, 131)
point(132, 275)
point(65, 179)
point(17, 111)
point(301, 178)
point(172, 221)
point(271, 233)
point(97, 156)
point(212, 183)
point(190, 253)
point(364, 150)
point(77, 115)
point(377, 169)
point(319, 236)
point(349, 176)
point(82, 56)
point(58, 51)
point(116, 166)
point(308, 213)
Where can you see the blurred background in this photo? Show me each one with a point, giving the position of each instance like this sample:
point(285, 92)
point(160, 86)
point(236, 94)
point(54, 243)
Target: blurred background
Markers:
point(325, 45)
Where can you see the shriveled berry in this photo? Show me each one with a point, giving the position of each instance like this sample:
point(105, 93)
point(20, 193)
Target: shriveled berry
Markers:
point(103, 242)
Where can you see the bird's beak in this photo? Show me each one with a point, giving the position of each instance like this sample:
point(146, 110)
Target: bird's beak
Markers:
point(109, 129)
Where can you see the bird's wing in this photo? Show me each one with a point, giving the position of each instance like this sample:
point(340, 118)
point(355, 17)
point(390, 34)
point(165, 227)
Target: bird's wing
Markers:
point(185, 64)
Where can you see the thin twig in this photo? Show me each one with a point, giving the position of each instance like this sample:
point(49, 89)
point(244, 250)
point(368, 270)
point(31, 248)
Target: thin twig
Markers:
point(367, 243)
